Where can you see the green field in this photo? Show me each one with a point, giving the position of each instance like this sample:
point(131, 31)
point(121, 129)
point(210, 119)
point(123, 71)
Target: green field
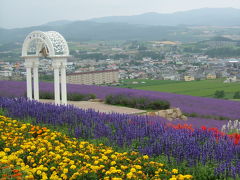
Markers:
point(204, 88)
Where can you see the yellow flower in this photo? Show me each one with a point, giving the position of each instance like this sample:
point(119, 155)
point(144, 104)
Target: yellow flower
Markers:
point(73, 167)
point(138, 167)
point(7, 149)
point(123, 167)
point(113, 163)
point(64, 176)
point(173, 177)
point(175, 171)
point(71, 162)
point(2, 154)
point(52, 168)
point(39, 172)
point(33, 147)
point(133, 170)
point(145, 157)
point(129, 175)
point(65, 170)
point(188, 176)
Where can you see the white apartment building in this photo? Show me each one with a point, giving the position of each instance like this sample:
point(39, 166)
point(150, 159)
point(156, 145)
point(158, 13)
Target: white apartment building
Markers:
point(6, 73)
point(94, 77)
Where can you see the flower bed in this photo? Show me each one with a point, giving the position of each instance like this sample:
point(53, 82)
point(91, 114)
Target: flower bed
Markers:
point(34, 152)
point(145, 134)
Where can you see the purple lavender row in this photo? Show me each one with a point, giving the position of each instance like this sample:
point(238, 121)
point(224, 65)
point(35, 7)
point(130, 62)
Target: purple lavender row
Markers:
point(188, 104)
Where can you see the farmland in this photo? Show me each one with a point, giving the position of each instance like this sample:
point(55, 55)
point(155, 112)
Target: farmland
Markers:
point(204, 88)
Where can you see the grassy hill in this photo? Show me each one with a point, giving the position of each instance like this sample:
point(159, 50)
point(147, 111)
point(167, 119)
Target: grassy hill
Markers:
point(205, 88)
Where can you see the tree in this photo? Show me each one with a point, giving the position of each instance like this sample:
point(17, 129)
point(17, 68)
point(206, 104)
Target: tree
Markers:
point(236, 95)
point(219, 94)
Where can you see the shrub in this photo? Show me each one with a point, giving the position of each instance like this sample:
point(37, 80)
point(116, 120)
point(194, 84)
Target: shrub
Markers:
point(70, 96)
point(236, 95)
point(46, 95)
point(80, 97)
point(219, 94)
point(139, 102)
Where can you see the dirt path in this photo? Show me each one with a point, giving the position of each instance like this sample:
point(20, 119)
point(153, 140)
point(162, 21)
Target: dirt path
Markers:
point(99, 106)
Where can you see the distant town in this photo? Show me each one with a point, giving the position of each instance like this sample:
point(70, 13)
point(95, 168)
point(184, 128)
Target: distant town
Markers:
point(163, 60)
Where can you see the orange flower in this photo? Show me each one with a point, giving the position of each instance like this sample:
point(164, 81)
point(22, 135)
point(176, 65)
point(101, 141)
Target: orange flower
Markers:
point(15, 170)
point(18, 174)
point(39, 131)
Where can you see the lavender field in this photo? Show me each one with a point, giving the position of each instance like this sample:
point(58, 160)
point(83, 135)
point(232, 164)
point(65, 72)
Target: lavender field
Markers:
point(204, 153)
point(205, 107)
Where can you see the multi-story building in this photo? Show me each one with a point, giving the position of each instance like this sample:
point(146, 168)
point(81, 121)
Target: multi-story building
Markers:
point(94, 77)
point(6, 73)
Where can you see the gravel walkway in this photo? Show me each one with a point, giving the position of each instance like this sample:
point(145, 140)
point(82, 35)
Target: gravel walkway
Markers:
point(99, 106)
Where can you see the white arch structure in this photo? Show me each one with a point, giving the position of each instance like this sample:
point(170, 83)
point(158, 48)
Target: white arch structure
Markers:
point(46, 44)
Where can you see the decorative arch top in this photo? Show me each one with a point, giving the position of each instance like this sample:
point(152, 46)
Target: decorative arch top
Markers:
point(46, 44)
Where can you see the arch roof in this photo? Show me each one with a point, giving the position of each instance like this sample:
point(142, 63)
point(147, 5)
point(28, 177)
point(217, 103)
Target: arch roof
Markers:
point(52, 41)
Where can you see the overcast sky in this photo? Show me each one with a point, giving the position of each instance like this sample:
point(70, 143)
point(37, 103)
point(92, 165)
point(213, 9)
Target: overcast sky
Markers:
point(22, 13)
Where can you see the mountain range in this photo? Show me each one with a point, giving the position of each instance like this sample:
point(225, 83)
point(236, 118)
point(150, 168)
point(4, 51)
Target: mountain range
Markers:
point(149, 26)
point(197, 17)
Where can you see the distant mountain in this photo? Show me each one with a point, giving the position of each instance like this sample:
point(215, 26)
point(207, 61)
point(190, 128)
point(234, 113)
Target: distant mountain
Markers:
point(198, 17)
point(150, 26)
point(87, 31)
point(58, 23)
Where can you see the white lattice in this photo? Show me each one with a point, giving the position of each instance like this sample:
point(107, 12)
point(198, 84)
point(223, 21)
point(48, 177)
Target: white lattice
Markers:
point(51, 40)
point(59, 43)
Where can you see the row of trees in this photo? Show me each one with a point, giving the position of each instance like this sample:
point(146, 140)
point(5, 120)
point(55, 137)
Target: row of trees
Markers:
point(221, 94)
point(223, 52)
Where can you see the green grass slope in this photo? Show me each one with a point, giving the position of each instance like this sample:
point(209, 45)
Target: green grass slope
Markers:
point(204, 88)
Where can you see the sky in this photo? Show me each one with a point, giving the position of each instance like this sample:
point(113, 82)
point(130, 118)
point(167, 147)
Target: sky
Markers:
point(24, 13)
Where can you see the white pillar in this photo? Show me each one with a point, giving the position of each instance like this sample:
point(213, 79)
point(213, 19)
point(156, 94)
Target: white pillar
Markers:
point(63, 82)
point(56, 66)
point(35, 79)
point(29, 83)
point(29, 65)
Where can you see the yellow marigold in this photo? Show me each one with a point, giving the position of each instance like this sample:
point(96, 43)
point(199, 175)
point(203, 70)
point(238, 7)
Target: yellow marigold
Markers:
point(39, 172)
point(130, 175)
point(113, 163)
point(64, 176)
point(123, 167)
point(145, 157)
point(133, 170)
point(73, 167)
point(2, 154)
point(175, 171)
point(65, 170)
point(188, 176)
point(52, 168)
point(7, 149)
point(138, 167)
point(173, 177)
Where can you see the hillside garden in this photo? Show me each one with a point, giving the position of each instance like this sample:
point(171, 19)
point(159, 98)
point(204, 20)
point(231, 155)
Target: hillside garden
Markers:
point(84, 144)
